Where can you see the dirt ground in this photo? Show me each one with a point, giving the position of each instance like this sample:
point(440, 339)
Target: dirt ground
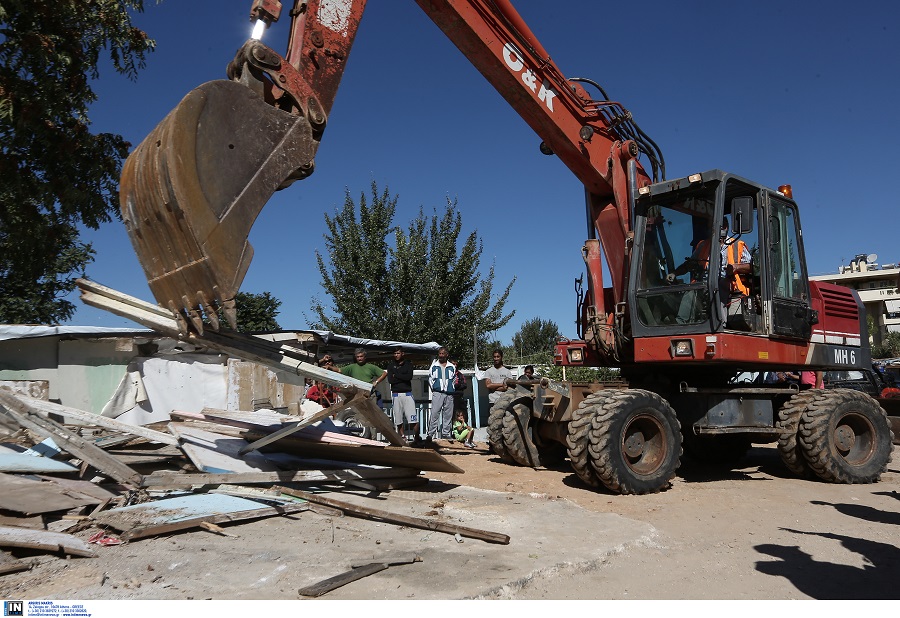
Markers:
point(748, 533)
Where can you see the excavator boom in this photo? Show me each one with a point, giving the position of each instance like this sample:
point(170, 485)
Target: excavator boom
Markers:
point(191, 191)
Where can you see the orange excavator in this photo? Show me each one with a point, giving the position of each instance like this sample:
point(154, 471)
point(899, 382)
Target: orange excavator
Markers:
point(681, 320)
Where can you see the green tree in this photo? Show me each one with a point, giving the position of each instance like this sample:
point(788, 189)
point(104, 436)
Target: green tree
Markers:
point(424, 286)
point(54, 173)
point(256, 312)
point(535, 337)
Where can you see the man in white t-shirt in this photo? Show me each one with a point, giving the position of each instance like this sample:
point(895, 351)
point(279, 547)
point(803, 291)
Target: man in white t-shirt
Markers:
point(495, 378)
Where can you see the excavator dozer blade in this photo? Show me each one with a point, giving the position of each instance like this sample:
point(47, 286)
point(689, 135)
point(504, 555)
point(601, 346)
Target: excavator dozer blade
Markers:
point(192, 189)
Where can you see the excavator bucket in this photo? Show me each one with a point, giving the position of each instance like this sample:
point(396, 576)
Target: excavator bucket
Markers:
point(191, 191)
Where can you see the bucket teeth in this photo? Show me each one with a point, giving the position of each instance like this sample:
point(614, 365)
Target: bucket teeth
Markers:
point(191, 191)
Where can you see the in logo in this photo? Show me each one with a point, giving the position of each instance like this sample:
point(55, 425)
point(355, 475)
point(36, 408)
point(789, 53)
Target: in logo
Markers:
point(13, 608)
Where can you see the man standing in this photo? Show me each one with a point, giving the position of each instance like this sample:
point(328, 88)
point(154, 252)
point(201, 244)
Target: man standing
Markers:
point(495, 378)
point(399, 376)
point(361, 370)
point(440, 379)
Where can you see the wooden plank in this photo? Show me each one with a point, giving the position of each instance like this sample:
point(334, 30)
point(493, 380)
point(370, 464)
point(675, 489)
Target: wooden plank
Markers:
point(11, 564)
point(30, 497)
point(387, 484)
point(87, 488)
point(155, 530)
point(45, 540)
point(388, 559)
point(395, 518)
point(271, 423)
point(380, 421)
point(327, 585)
point(175, 479)
point(36, 522)
point(405, 457)
point(65, 415)
point(217, 453)
point(295, 427)
point(22, 413)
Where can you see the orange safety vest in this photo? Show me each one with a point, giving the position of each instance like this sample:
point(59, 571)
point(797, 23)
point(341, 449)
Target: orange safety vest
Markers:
point(734, 257)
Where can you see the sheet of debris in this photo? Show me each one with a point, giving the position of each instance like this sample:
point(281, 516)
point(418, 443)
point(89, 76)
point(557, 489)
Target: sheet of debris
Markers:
point(68, 483)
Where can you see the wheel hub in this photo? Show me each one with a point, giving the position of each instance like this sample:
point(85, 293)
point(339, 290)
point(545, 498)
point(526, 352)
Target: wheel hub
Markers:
point(844, 438)
point(634, 445)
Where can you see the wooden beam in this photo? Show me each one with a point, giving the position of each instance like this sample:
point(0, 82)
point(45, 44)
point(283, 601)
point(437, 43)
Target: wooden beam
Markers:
point(61, 413)
point(395, 518)
point(23, 414)
point(175, 479)
point(155, 530)
point(327, 585)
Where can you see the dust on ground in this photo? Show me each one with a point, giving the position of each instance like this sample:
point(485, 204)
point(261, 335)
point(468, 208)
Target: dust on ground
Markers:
point(752, 532)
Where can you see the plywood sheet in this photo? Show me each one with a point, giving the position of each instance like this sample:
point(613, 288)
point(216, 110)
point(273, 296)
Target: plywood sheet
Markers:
point(33, 497)
point(217, 453)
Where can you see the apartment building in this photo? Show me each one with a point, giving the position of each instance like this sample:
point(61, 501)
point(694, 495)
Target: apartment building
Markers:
point(877, 286)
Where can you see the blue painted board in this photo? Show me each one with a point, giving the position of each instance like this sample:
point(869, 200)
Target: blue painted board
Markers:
point(20, 462)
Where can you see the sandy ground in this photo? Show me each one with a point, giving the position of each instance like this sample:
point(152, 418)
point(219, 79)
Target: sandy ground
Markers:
point(748, 533)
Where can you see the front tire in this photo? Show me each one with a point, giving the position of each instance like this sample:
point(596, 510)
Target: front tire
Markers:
point(635, 442)
point(789, 447)
point(845, 437)
point(495, 427)
point(517, 434)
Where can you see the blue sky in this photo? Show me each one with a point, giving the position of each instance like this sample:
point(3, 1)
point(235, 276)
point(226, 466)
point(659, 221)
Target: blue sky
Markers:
point(778, 92)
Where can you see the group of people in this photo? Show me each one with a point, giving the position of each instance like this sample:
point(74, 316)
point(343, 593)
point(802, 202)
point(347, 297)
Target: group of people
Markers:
point(805, 379)
point(447, 420)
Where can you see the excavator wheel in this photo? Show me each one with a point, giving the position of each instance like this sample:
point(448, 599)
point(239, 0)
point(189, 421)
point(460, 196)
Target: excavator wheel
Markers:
point(578, 440)
point(495, 427)
point(845, 437)
point(789, 422)
point(635, 442)
point(517, 433)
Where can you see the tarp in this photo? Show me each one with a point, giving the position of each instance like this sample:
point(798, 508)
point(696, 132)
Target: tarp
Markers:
point(22, 331)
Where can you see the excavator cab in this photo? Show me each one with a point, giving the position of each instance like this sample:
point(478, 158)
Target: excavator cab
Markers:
point(715, 252)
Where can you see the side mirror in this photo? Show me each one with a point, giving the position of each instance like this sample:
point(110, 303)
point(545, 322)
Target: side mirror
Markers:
point(742, 215)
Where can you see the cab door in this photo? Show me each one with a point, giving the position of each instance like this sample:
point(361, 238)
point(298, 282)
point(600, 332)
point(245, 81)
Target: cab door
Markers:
point(788, 285)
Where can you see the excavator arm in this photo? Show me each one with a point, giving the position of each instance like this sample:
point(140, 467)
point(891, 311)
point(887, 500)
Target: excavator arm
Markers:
point(192, 189)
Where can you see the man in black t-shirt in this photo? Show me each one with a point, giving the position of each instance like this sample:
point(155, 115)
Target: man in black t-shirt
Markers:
point(399, 376)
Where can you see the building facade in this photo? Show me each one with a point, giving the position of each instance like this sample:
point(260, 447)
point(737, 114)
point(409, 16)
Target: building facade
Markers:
point(878, 289)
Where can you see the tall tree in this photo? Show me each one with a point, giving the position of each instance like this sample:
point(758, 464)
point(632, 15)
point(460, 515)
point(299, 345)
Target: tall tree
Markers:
point(255, 312)
point(54, 173)
point(426, 285)
point(535, 336)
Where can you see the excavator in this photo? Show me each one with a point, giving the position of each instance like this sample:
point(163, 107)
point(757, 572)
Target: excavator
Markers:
point(679, 319)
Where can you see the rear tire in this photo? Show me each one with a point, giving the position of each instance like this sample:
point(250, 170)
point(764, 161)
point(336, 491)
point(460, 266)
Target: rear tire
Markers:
point(635, 442)
point(578, 440)
point(845, 437)
point(517, 434)
point(789, 421)
point(495, 427)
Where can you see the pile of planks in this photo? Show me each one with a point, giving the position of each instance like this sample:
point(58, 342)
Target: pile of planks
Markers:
point(70, 479)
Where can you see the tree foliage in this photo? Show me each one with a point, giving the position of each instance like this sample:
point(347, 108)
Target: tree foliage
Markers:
point(535, 336)
point(54, 173)
point(256, 312)
point(426, 285)
point(889, 348)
